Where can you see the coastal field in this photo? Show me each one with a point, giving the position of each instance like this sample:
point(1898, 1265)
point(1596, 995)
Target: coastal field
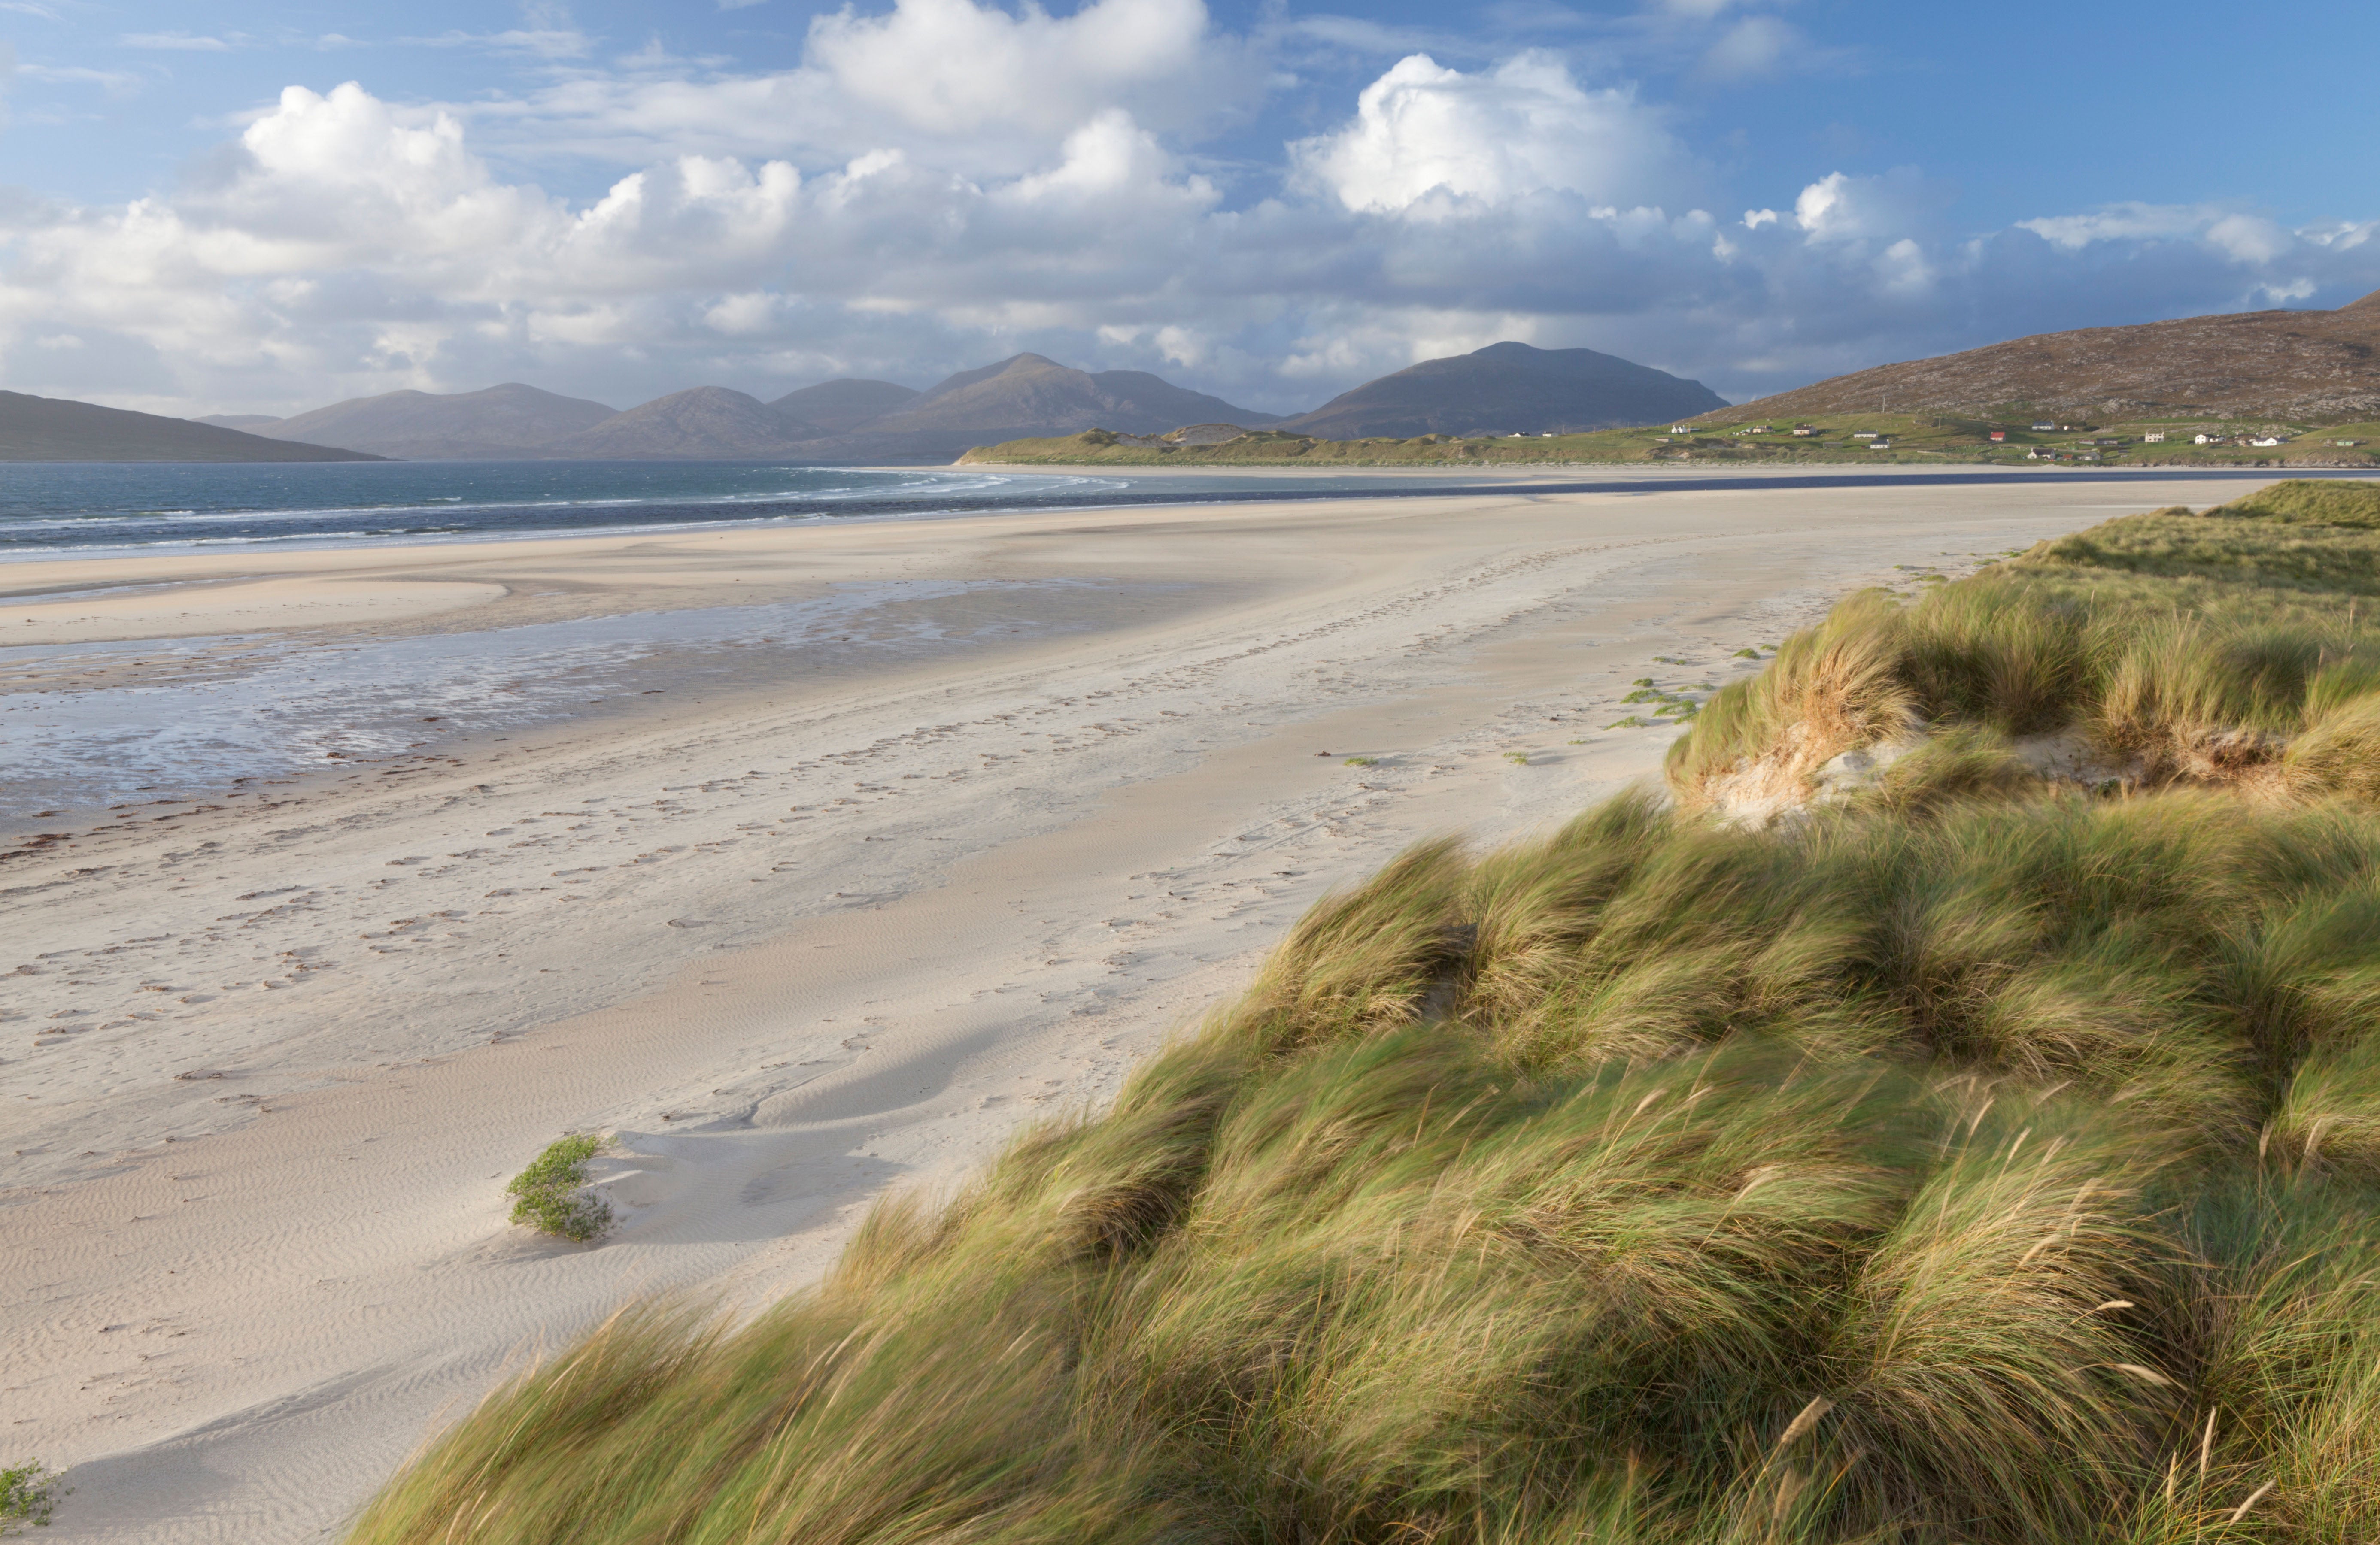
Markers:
point(1728, 438)
point(903, 834)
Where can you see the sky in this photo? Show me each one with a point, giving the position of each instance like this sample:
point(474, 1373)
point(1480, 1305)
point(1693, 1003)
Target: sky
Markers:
point(267, 205)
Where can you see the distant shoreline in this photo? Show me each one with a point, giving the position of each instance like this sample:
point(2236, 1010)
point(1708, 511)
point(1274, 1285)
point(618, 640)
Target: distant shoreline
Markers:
point(1143, 490)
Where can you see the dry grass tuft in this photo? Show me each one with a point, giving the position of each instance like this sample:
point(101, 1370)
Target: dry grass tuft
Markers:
point(2170, 648)
point(2312, 500)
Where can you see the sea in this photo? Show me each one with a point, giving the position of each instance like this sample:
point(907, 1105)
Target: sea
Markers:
point(90, 509)
point(117, 725)
point(120, 724)
point(83, 510)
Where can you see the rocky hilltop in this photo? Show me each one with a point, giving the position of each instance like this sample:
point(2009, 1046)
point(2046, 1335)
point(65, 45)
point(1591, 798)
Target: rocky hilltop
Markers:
point(499, 421)
point(1030, 395)
point(838, 407)
point(708, 423)
point(1507, 389)
point(2318, 366)
point(60, 429)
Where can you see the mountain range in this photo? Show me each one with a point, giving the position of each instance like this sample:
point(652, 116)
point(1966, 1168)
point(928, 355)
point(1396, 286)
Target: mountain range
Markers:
point(508, 420)
point(60, 429)
point(1504, 388)
point(847, 420)
point(1507, 389)
point(2317, 366)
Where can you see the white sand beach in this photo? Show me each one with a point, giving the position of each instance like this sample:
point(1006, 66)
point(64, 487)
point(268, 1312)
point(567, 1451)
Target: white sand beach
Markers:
point(997, 804)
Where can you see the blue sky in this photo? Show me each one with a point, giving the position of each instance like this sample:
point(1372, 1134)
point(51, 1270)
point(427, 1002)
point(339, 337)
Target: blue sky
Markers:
point(295, 203)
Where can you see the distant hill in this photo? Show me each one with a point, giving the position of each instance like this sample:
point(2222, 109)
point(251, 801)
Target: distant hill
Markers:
point(248, 422)
point(1028, 395)
point(838, 407)
point(60, 429)
point(2321, 367)
point(499, 421)
point(1508, 389)
point(708, 423)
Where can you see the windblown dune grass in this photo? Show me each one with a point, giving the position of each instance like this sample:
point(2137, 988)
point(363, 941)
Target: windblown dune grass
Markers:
point(2239, 647)
point(1983, 1158)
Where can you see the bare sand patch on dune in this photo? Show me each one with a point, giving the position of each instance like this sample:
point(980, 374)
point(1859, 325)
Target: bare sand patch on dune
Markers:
point(795, 934)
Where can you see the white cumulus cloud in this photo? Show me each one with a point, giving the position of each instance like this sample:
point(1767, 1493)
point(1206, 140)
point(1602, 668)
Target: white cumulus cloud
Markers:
point(969, 87)
point(944, 182)
point(1525, 127)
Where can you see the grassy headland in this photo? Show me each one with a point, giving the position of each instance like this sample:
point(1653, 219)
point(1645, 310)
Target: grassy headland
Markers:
point(1907, 440)
point(1988, 1151)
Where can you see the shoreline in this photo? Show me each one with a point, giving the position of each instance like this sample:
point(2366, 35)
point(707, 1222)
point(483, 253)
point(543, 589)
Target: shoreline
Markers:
point(811, 939)
point(1544, 478)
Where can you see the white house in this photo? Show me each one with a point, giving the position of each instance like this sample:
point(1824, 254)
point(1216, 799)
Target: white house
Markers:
point(2205, 440)
point(2154, 437)
point(2267, 440)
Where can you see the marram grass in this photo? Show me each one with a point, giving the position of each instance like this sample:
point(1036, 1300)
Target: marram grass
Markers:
point(2242, 644)
point(1973, 1162)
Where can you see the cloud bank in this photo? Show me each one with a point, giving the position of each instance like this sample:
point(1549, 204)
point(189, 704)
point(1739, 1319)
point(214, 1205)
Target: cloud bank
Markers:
point(947, 181)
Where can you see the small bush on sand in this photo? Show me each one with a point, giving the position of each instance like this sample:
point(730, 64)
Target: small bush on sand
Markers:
point(28, 1495)
point(551, 1194)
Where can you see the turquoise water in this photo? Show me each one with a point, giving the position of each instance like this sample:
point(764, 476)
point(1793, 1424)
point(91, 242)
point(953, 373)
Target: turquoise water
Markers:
point(82, 508)
point(55, 509)
point(193, 716)
point(50, 509)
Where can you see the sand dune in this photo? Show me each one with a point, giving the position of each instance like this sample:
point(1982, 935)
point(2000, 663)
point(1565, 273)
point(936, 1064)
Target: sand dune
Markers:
point(797, 930)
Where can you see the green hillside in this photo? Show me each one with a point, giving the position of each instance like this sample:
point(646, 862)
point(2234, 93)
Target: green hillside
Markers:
point(1908, 439)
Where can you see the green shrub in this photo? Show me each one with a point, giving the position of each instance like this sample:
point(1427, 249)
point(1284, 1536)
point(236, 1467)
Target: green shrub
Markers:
point(30, 1495)
point(551, 1193)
